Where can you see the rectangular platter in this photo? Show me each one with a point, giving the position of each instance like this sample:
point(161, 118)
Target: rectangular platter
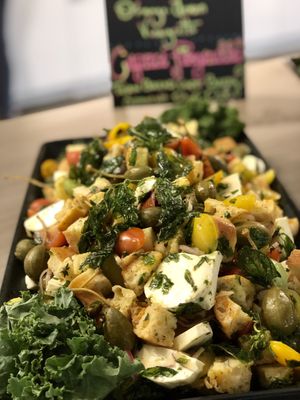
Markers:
point(13, 280)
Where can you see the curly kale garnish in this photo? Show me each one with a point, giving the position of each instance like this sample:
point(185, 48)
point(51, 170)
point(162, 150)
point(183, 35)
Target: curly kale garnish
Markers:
point(151, 134)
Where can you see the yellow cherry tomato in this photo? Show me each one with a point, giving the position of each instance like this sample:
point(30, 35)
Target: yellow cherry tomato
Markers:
point(245, 201)
point(205, 233)
point(283, 353)
point(48, 167)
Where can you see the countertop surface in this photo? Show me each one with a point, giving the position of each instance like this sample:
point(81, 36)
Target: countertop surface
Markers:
point(271, 111)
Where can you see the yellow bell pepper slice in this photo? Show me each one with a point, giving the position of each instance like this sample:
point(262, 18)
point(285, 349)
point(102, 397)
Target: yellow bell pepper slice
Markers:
point(245, 201)
point(216, 178)
point(268, 176)
point(205, 233)
point(121, 140)
point(116, 130)
point(283, 353)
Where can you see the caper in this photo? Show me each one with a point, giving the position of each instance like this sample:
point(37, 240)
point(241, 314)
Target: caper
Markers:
point(69, 185)
point(150, 216)
point(112, 271)
point(205, 190)
point(117, 329)
point(35, 261)
point(23, 247)
point(217, 163)
point(278, 311)
point(138, 173)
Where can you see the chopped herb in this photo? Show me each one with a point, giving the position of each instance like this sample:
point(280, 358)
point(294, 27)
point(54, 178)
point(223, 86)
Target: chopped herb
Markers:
point(187, 256)
point(65, 270)
point(133, 156)
point(90, 161)
point(148, 259)
point(172, 257)
point(202, 261)
point(222, 186)
point(99, 234)
point(224, 247)
point(173, 208)
point(260, 237)
point(171, 166)
point(161, 281)
point(286, 244)
point(206, 282)
point(182, 360)
point(151, 134)
point(257, 266)
point(155, 372)
point(141, 279)
point(188, 277)
point(227, 214)
point(114, 165)
point(234, 191)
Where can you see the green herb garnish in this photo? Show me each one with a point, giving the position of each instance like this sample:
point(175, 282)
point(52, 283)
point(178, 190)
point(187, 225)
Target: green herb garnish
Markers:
point(188, 277)
point(154, 372)
point(151, 134)
point(161, 281)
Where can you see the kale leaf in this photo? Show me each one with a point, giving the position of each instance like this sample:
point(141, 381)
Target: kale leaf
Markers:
point(51, 350)
point(113, 165)
point(259, 237)
point(257, 266)
point(151, 134)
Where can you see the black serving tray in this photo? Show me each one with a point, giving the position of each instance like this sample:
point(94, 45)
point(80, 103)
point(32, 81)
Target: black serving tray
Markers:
point(13, 280)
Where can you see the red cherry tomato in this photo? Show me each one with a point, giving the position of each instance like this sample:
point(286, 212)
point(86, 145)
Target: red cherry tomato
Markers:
point(53, 237)
point(73, 157)
point(275, 254)
point(207, 168)
point(150, 202)
point(130, 241)
point(37, 205)
point(190, 148)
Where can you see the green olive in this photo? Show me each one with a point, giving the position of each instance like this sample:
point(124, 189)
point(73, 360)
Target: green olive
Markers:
point(23, 247)
point(278, 311)
point(35, 261)
point(205, 190)
point(69, 186)
point(253, 233)
point(112, 271)
point(117, 329)
point(137, 173)
point(217, 163)
point(150, 216)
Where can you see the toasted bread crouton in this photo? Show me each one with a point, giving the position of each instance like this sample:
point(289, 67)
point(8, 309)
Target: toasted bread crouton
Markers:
point(123, 300)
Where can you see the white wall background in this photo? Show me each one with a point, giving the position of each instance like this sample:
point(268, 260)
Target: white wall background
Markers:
point(58, 49)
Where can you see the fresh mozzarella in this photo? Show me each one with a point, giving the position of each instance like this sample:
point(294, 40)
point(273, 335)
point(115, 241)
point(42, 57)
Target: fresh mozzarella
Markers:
point(185, 278)
point(283, 225)
point(196, 335)
point(30, 284)
point(144, 186)
point(169, 368)
point(231, 186)
point(58, 174)
point(44, 218)
point(254, 164)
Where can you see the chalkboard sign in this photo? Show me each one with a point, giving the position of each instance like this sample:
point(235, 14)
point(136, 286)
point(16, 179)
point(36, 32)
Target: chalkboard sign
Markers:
point(166, 50)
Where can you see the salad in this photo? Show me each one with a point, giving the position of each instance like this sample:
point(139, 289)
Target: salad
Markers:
point(159, 264)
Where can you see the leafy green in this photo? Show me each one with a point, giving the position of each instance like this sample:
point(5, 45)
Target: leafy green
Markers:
point(51, 350)
point(212, 124)
point(90, 161)
point(287, 245)
point(99, 233)
point(173, 208)
point(171, 166)
point(257, 266)
point(224, 247)
point(259, 237)
point(151, 134)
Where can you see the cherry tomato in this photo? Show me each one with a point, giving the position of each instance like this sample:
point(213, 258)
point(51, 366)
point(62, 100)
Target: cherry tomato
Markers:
point(130, 241)
point(53, 237)
point(37, 205)
point(150, 202)
point(275, 254)
point(73, 157)
point(173, 144)
point(189, 147)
